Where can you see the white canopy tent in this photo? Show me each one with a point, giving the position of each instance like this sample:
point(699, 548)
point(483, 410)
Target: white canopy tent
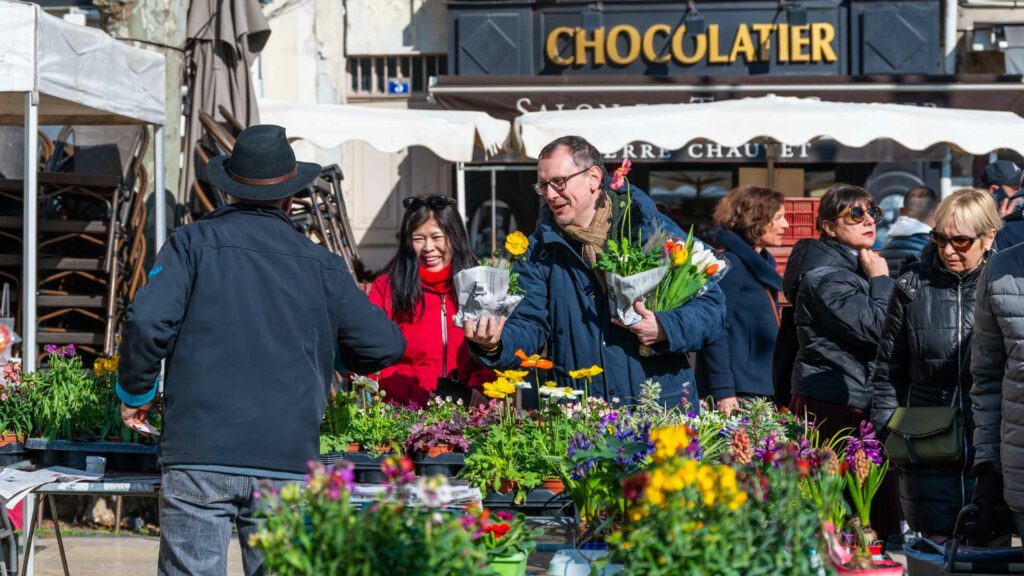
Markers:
point(54, 72)
point(788, 120)
point(451, 135)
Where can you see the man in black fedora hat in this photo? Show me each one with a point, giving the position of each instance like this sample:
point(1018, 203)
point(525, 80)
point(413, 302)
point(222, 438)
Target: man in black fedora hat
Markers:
point(249, 315)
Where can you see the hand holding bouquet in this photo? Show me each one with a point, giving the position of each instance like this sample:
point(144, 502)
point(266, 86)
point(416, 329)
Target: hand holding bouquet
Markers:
point(693, 270)
point(489, 289)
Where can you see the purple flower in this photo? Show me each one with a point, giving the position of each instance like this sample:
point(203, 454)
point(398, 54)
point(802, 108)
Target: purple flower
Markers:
point(505, 516)
point(580, 443)
point(51, 349)
point(866, 441)
point(769, 450)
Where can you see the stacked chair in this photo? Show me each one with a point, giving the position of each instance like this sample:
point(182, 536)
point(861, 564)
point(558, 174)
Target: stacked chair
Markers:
point(319, 213)
point(92, 245)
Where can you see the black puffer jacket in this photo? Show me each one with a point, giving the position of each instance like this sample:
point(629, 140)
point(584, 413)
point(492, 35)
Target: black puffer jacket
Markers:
point(839, 314)
point(923, 360)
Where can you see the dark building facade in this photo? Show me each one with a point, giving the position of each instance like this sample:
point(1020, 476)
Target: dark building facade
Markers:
point(507, 58)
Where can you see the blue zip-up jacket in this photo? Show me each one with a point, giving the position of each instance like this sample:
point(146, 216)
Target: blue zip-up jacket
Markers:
point(740, 361)
point(566, 308)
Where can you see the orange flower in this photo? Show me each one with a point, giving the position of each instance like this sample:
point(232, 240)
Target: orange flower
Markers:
point(534, 361)
point(711, 269)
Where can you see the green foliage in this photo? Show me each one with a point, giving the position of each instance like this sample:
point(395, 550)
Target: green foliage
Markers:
point(507, 452)
point(774, 532)
point(381, 427)
point(319, 531)
point(625, 258)
point(67, 403)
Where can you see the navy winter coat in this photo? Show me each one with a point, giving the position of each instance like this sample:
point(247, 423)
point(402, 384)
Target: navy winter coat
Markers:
point(566, 308)
point(1012, 232)
point(902, 251)
point(249, 315)
point(740, 361)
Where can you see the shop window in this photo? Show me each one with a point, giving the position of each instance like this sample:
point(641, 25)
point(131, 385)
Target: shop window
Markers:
point(689, 196)
point(397, 76)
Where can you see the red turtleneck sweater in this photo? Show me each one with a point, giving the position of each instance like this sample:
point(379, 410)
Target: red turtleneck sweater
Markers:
point(435, 347)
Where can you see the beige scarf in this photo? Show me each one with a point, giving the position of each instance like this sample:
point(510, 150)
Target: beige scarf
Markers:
point(592, 238)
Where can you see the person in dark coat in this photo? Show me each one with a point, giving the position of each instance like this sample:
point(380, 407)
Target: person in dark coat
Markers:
point(1002, 178)
point(737, 364)
point(924, 355)
point(840, 290)
point(566, 306)
point(910, 232)
point(248, 314)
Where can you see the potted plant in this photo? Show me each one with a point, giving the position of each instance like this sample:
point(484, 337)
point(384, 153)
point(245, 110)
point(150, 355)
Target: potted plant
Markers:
point(319, 530)
point(381, 427)
point(439, 437)
point(505, 537)
point(501, 460)
point(864, 471)
point(65, 397)
point(335, 428)
point(15, 408)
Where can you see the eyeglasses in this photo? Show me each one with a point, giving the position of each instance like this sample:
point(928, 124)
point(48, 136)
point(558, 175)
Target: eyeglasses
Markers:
point(436, 202)
point(959, 243)
point(557, 183)
point(857, 214)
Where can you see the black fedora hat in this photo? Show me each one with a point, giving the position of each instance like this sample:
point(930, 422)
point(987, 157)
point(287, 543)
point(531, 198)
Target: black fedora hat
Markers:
point(261, 166)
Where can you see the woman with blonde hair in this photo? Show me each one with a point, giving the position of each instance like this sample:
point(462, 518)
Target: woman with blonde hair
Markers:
point(924, 355)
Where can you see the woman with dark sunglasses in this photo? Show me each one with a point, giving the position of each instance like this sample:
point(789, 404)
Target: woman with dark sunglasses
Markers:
point(924, 359)
point(840, 290)
point(417, 292)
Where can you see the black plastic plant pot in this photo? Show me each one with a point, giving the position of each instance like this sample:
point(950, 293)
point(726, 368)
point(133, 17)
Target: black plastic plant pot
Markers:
point(12, 454)
point(447, 465)
point(47, 458)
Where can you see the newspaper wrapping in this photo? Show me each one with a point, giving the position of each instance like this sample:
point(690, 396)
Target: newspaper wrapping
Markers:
point(482, 292)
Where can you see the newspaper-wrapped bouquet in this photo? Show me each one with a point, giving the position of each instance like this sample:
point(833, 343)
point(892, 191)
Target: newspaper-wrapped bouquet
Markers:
point(632, 268)
point(491, 289)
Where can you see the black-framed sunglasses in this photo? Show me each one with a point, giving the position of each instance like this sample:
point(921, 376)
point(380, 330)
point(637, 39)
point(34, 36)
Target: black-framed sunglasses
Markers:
point(857, 214)
point(557, 183)
point(436, 202)
point(959, 243)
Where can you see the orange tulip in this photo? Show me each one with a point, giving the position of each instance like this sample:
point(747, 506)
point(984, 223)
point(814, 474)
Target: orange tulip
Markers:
point(711, 269)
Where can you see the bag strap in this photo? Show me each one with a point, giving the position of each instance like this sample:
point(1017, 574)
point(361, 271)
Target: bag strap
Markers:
point(775, 308)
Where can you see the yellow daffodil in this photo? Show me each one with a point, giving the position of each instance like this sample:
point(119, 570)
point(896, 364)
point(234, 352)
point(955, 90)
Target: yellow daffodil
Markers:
point(516, 243)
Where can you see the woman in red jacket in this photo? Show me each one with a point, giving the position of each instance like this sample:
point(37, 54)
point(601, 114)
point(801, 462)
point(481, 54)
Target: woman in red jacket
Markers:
point(417, 292)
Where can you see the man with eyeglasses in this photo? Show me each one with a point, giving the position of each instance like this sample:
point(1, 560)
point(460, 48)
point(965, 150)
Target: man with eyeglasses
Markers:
point(566, 307)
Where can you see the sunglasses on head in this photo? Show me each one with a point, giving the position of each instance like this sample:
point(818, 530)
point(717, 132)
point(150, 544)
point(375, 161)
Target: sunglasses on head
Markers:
point(436, 202)
point(857, 214)
point(557, 183)
point(959, 243)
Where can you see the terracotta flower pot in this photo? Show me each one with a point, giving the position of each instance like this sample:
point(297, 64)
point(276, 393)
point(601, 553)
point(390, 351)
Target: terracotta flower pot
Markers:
point(6, 439)
point(555, 485)
point(507, 486)
point(440, 449)
point(353, 447)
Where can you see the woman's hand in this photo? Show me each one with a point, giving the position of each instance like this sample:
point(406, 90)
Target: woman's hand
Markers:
point(727, 405)
point(874, 265)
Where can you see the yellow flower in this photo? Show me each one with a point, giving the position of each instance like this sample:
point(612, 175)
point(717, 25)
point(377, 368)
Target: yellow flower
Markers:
point(499, 389)
point(512, 376)
point(669, 442)
point(516, 243)
point(679, 256)
point(587, 373)
point(104, 366)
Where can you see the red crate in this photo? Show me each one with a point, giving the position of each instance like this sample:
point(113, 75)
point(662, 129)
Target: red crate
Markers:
point(801, 205)
point(781, 255)
point(802, 214)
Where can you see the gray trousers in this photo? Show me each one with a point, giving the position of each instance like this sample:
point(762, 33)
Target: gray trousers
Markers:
point(198, 510)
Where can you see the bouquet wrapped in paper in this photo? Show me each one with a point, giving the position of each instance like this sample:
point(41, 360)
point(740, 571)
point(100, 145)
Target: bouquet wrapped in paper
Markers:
point(632, 270)
point(692, 270)
point(491, 290)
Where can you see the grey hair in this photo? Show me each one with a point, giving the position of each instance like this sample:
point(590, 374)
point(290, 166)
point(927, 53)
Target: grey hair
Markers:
point(584, 155)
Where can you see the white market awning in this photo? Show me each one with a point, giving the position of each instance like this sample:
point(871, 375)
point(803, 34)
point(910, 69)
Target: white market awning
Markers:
point(788, 120)
point(55, 72)
point(449, 134)
point(82, 75)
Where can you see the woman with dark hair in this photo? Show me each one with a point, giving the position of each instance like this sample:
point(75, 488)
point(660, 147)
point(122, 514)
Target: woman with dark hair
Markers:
point(840, 291)
point(739, 363)
point(417, 292)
